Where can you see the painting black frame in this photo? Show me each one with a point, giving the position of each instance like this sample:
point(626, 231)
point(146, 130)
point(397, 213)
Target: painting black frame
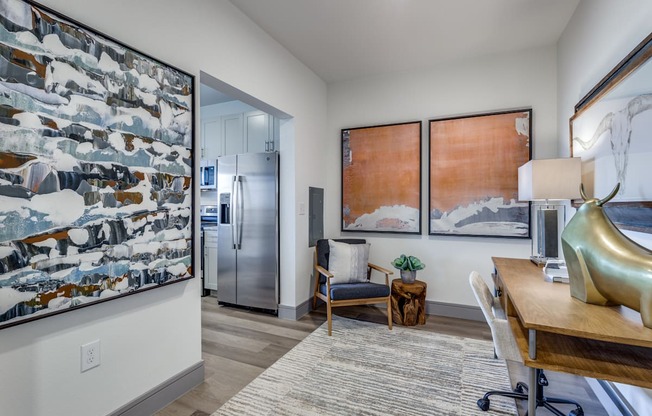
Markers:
point(525, 207)
point(182, 153)
point(628, 215)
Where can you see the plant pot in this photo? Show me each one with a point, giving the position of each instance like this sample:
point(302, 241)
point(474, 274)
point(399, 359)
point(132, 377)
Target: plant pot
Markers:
point(408, 276)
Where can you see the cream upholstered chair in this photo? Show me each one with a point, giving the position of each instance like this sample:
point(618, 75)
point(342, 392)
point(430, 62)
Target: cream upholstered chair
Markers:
point(506, 348)
point(354, 290)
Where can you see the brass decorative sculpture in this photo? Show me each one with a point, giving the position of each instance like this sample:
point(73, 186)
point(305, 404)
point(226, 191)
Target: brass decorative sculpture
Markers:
point(606, 267)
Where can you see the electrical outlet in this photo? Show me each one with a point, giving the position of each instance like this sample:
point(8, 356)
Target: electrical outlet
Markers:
point(90, 355)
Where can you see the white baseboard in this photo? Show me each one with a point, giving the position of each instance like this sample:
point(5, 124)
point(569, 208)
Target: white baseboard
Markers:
point(164, 394)
point(294, 313)
point(452, 310)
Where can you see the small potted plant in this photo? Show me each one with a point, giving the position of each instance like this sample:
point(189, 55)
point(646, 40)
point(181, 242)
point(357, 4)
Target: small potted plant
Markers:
point(408, 265)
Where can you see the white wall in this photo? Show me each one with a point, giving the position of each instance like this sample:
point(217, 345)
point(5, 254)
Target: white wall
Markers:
point(150, 337)
point(599, 35)
point(517, 80)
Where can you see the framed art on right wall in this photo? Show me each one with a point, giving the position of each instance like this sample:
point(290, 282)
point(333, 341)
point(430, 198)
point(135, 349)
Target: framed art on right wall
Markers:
point(610, 132)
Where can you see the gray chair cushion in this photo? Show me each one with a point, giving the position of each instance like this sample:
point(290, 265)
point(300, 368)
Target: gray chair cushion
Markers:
point(323, 250)
point(356, 291)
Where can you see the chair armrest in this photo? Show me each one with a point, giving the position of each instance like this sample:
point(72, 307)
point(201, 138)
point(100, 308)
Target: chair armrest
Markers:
point(323, 271)
point(380, 269)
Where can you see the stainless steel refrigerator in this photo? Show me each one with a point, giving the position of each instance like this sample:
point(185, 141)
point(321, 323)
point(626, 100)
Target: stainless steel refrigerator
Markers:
point(248, 242)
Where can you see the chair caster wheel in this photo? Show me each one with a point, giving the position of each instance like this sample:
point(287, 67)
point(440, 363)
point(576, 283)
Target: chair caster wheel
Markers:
point(576, 412)
point(483, 404)
point(519, 388)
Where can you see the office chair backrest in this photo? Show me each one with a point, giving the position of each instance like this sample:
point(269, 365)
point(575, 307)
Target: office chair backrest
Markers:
point(483, 296)
point(504, 342)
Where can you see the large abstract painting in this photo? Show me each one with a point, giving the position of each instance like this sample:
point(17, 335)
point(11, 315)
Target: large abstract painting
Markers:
point(610, 132)
point(95, 167)
point(473, 165)
point(381, 178)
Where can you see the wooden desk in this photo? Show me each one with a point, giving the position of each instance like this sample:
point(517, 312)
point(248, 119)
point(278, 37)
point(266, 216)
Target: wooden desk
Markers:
point(557, 332)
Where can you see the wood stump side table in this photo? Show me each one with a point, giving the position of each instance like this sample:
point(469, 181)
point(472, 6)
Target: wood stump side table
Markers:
point(409, 302)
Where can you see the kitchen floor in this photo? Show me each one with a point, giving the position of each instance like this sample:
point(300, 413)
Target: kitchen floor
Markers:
point(238, 345)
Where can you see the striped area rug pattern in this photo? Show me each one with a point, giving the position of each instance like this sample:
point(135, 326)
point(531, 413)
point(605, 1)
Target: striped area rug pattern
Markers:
point(366, 369)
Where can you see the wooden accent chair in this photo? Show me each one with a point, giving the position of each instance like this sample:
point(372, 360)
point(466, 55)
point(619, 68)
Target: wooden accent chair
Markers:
point(505, 348)
point(346, 294)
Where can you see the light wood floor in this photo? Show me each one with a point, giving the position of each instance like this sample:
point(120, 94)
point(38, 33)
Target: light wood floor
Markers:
point(238, 345)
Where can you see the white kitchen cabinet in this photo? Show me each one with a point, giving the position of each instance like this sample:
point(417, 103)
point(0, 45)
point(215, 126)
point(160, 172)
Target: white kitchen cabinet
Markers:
point(212, 145)
point(261, 132)
point(249, 132)
point(275, 126)
point(210, 259)
point(233, 134)
point(258, 132)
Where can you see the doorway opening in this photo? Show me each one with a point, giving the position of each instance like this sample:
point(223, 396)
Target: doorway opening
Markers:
point(232, 122)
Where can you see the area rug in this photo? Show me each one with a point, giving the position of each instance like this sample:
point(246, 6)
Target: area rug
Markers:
point(366, 369)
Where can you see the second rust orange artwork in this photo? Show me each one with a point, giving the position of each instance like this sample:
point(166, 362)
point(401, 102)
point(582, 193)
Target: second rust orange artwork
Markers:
point(473, 170)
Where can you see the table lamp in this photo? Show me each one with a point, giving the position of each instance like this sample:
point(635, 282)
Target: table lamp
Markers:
point(548, 182)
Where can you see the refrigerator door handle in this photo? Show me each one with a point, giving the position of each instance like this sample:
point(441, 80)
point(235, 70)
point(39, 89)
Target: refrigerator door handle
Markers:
point(233, 214)
point(241, 213)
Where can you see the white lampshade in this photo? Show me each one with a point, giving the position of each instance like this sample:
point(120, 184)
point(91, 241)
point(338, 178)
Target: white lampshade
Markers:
point(550, 179)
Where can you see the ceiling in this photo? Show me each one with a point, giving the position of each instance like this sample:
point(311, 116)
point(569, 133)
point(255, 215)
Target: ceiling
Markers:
point(345, 39)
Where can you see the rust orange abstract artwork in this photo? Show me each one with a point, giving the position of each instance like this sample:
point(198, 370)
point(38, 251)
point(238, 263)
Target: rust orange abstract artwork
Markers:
point(474, 164)
point(381, 178)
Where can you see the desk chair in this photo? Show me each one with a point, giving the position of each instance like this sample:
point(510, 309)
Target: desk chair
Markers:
point(506, 349)
point(349, 283)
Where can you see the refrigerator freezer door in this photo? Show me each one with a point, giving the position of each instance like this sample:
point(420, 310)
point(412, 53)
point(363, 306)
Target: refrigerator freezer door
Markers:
point(226, 252)
point(257, 222)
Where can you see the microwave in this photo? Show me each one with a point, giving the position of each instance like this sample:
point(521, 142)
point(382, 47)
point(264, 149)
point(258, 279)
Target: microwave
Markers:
point(208, 174)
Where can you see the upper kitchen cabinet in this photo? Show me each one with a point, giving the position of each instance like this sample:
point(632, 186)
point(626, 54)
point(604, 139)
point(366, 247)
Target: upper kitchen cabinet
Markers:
point(259, 132)
point(243, 132)
point(233, 134)
point(211, 139)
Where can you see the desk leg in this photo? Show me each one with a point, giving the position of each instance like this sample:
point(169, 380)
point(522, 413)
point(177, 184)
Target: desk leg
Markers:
point(532, 344)
point(533, 386)
point(532, 392)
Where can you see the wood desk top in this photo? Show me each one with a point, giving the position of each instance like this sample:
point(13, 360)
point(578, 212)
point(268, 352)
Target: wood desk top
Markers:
point(549, 307)
point(603, 342)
